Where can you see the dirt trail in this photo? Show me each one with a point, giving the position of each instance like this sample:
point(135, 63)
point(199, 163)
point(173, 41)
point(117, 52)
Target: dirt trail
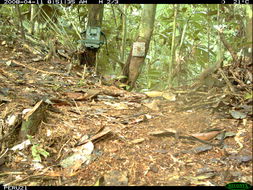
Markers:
point(142, 146)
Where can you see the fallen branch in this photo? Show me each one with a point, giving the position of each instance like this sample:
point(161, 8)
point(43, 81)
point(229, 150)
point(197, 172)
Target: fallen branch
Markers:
point(12, 173)
point(236, 79)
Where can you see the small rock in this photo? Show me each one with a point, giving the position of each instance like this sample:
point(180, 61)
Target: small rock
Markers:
point(153, 168)
point(237, 114)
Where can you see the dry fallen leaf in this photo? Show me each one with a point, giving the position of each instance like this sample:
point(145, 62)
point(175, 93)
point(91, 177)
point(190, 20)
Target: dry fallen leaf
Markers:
point(153, 105)
point(75, 95)
point(53, 174)
point(81, 155)
point(206, 136)
point(118, 106)
point(28, 114)
point(154, 94)
point(136, 141)
point(163, 133)
point(169, 96)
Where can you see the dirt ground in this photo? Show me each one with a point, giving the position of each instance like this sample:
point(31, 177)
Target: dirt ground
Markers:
point(137, 140)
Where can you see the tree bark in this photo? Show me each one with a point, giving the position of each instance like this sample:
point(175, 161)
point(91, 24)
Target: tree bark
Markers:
point(124, 33)
point(249, 50)
point(94, 19)
point(172, 50)
point(133, 65)
point(20, 22)
point(32, 18)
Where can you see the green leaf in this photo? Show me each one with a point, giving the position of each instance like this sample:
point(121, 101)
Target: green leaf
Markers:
point(211, 13)
point(248, 96)
point(121, 77)
point(35, 154)
point(43, 153)
point(37, 151)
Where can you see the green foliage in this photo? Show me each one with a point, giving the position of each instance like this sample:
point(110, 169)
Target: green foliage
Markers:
point(37, 152)
point(81, 83)
point(199, 46)
point(196, 36)
point(248, 96)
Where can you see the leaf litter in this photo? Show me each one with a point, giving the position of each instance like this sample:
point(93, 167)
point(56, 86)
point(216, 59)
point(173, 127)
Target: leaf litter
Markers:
point(96, 135)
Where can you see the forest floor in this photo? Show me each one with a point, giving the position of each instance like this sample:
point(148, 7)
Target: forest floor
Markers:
point(118, 137)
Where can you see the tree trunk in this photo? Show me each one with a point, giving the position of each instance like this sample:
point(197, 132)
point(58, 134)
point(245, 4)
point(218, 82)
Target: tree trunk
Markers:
point(20, 22)
point(94, 19)
point(220, 50)
point(32, 18)
point(124, 33)
point(248, 50)
point(133, 65)
point(172, 50)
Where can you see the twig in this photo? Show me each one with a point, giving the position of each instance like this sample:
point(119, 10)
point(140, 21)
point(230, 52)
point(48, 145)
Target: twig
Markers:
point(4, 153)
point(37, 70)
point(236, 79)
point(61, 149)
point(12, 173)
point(17, 180)
point(84, 74)
point(77, 106)
point(226, 80)
point(41, 175)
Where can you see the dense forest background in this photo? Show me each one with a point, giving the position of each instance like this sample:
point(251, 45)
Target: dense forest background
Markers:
point(186, 40)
